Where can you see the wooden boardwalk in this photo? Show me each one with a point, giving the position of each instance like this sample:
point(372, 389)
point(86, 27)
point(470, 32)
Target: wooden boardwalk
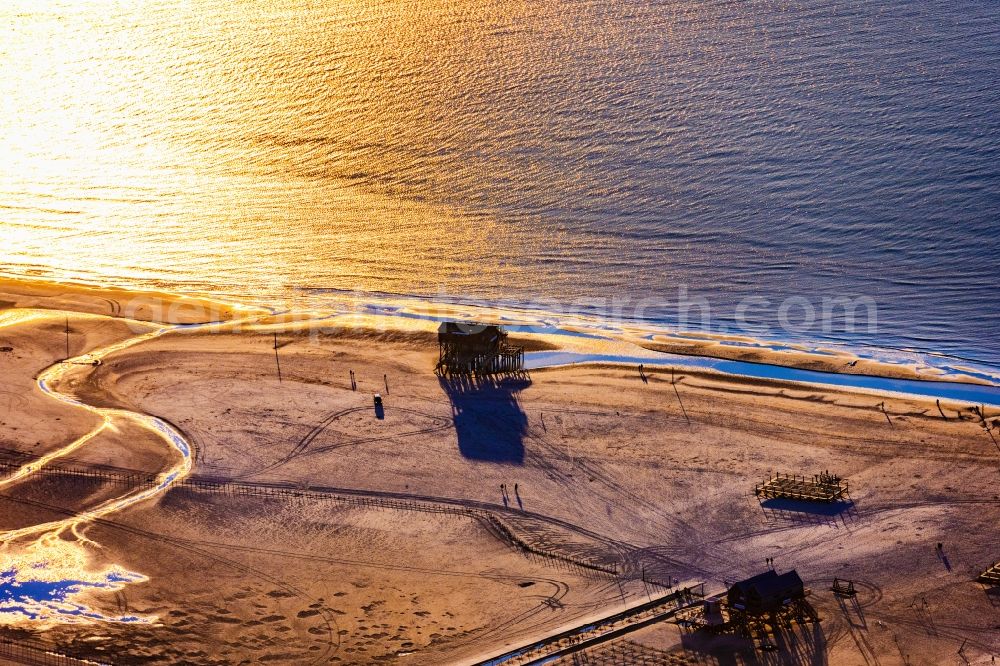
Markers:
point(25, 651)
point(818, 488)
point(596, 632)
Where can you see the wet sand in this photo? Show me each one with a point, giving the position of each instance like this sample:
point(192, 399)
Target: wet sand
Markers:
point(647, 476)
point(118, 303)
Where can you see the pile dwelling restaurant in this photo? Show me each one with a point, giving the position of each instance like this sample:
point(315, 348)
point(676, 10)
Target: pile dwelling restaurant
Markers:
point(768, 592)
point(476, 349)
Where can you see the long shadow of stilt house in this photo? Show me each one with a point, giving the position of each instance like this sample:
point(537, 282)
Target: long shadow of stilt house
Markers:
point(482, 376)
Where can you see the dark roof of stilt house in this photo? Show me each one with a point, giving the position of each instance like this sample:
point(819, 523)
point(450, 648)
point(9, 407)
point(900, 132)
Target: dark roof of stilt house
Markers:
point(456, 331)
point(767, 591)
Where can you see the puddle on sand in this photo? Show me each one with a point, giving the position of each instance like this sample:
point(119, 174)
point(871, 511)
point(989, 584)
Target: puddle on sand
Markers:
point(49, 581)
point(975, 394)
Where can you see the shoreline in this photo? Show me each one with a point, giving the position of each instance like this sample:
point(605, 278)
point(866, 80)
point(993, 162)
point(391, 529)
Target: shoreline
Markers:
point(634, 345)
point(138, 305)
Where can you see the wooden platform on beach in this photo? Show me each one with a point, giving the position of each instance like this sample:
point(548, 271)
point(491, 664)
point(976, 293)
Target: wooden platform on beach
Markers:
point(991, 576)
point(818, 488)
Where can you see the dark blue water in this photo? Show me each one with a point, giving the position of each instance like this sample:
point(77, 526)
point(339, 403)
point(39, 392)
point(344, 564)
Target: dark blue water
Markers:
point(23, 596)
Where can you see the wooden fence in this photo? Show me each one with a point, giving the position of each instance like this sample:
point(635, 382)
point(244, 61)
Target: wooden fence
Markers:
point(138, 480)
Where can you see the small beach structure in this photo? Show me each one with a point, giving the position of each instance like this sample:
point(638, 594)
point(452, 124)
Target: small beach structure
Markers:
point(768, 592)
point(823, 487)
point(991, 576)
point(843, 588)
point(467, 348)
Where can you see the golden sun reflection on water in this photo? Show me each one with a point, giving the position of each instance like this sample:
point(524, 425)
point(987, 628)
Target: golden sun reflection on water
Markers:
point(568, 152)
point(260, 159)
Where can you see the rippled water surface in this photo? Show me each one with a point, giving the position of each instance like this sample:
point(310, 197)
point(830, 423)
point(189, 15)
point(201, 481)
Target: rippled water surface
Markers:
point(519, 150)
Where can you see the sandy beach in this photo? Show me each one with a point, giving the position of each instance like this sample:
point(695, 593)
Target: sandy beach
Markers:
point(398, 536)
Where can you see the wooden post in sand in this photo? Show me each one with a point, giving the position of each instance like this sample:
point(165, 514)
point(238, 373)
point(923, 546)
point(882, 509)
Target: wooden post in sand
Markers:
point(981, 413)
point(276, 361)
point(882, 406)
point(67, 338)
